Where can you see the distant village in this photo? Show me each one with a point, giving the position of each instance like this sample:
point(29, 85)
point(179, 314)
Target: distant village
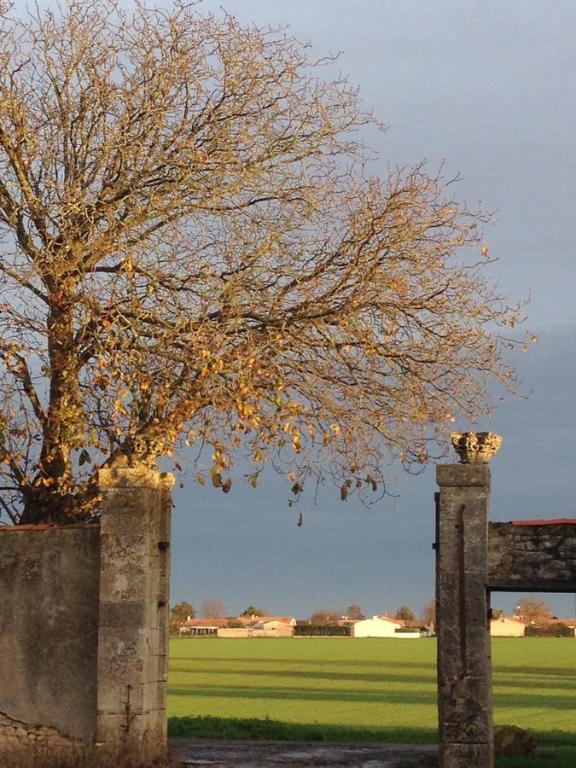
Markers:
point(404, 625)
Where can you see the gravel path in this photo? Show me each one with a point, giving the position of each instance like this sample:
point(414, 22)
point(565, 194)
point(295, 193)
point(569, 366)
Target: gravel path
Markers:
point(279, 754)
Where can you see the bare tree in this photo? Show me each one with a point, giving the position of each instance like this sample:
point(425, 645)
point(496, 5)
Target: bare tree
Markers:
point(429, 613)
point(354, 611)
point(324, 616)
point(404, 613)
point(192, 250)
point(213, 608)
point(534, 611)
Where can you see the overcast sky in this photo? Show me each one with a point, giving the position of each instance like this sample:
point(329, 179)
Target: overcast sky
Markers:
point(488, 89)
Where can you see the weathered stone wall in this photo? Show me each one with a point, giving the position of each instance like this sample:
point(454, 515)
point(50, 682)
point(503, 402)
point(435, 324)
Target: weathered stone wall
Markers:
point(48, 632)
point(84, 623)
point(539, 557)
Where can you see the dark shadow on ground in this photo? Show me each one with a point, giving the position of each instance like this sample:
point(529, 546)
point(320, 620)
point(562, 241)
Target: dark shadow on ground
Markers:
point(385, 677)
point(531, 698)
point(305, 694)
point(205, 662)
point(506, 679)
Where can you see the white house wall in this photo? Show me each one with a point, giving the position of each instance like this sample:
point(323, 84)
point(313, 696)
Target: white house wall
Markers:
point(375, 628)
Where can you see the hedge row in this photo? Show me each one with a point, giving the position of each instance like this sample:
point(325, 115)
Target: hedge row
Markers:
point(324, 630)
point(552, 630)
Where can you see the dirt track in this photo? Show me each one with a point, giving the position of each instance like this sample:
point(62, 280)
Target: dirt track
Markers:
point(279, 754)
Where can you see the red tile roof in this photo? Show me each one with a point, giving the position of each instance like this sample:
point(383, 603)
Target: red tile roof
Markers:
point(568, 622)
point(205, 623)
point(246, 620)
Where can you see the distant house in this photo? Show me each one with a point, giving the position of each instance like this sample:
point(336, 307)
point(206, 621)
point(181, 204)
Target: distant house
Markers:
point(271, 622)
point(507, 626)
point(377, 626)
point(274, 626)
point(260, 626)
point(201, 627)
point(242, 626)
point(239, 626)
point(566, 622)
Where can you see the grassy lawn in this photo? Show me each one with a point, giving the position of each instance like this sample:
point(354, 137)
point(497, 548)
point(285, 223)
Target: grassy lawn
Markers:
point(343, 689)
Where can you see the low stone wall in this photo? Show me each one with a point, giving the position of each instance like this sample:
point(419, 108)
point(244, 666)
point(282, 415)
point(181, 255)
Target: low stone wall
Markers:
point(49, 583)
point(532, 557)
point(84, 624)
point(234, 632)
point(284, 631)
point(238, 632)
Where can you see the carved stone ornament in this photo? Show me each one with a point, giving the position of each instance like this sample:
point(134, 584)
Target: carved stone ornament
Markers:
point(475, 447)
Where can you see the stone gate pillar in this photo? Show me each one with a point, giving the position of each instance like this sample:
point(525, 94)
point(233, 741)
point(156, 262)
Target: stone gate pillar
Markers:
point(133, 607)
point(462, 622)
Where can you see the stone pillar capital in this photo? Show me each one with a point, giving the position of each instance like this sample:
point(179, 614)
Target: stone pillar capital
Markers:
point(476, 447)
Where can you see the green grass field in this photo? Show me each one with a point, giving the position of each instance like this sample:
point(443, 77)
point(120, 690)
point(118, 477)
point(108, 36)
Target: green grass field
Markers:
point(344, 689)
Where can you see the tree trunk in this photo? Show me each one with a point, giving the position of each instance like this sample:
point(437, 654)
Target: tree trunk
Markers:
point(43, 506)
point(51, 498)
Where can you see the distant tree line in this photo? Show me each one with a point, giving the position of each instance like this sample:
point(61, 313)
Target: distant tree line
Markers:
point(533, 611)
point(213, 608)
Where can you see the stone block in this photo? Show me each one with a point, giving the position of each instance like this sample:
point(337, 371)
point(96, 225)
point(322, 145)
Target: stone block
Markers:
point(466, 717)
point(466, 475)
point(128, 613)
point(455, 755)
point(123, 519)
point(511, 741)
point(112, 728)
